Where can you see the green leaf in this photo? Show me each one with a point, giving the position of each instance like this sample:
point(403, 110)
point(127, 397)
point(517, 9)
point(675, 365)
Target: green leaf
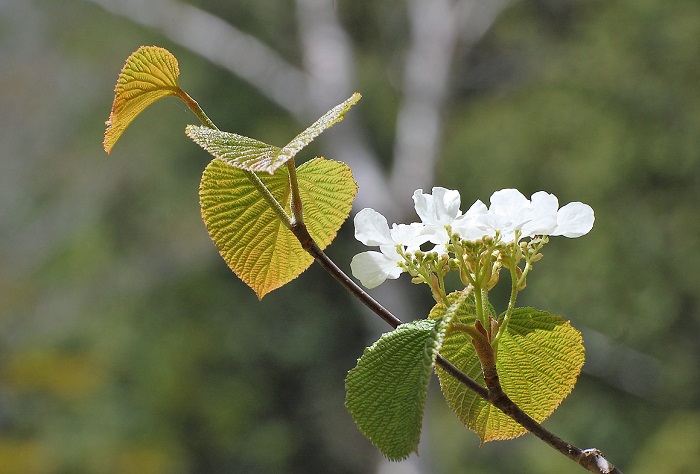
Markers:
point(249, 235)
point(253, 155)
point(149, 74)
point(539, 360)
point(386, 391)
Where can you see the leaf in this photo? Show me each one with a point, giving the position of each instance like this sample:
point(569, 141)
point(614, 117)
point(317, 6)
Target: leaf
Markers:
point(250, 237)
point(386, 391)
point(253, 155)
point(236, 150)
point(330, 118)
point(539, 360)
point(149, 74)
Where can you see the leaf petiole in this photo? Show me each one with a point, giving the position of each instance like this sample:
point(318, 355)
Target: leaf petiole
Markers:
point(277, 208)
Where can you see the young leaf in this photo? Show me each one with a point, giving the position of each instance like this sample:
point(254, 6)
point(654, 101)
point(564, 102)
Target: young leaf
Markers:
point(236, 150)
point(250, 237)
point(330, 118)
point(252, 155)
point(386, 391)
point(149, 74)
point(539, 360)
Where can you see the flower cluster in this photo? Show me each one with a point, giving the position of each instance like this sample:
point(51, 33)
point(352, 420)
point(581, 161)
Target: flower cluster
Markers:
point(510, 218)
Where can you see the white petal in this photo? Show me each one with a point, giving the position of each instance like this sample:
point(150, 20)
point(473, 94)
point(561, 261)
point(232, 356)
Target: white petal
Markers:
point(468, 230)
point(492, 222)
point(476, 209)
point(408, 235)
point(574, 220)
point(373, 268)
point(436, 234)
point(542, 218)
point(439, 208)
point(371, 228)
point(447, 203)
point(508, 202)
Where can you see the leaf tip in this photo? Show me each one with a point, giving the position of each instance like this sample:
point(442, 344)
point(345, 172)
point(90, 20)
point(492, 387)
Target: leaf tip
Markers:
point(149, 73)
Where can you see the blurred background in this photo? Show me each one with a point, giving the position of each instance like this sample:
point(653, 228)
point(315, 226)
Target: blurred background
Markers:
point(126, 344)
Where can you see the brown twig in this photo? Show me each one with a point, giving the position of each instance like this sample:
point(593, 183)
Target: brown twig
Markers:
point(591, 459)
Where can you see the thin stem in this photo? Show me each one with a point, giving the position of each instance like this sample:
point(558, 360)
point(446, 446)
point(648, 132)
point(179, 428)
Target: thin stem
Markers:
point(295, 201)
point(254, 178)
point(479, 300)
point(350, 285)
point(195, 108)
point(511, 305)
point(590, 459)
point(270, 199)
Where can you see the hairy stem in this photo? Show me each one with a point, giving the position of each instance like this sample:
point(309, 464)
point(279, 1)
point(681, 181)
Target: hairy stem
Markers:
point(254, 179)
point(511, 306)
point(295, 200)
point(590, 459)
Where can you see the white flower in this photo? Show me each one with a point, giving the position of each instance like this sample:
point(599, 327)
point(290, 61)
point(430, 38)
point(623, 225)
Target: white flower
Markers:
point(509, 214)
point(469, 226)
point(371, 228)
point(510, 211)
point(436, 211)
point(574, 220)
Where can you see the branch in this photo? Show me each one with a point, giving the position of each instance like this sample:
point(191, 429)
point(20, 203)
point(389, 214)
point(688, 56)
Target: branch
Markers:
point(591, 459)
point(300, 93)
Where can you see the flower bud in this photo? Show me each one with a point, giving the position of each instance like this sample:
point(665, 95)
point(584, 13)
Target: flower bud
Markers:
point(495, 276)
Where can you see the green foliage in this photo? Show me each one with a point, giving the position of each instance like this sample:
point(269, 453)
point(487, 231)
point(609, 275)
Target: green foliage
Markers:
point(539, 358)
point(250, 236)
point(557, 94)
point(386, 391)
point(239, 209)
point(251, 220)
point(253, 155)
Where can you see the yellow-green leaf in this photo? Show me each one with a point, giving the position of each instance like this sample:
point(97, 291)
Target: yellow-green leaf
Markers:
point(253, 155)
point(539, 360)
point(330, 118)
point(236, 150)
point(251, 239)
point(149, 74)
